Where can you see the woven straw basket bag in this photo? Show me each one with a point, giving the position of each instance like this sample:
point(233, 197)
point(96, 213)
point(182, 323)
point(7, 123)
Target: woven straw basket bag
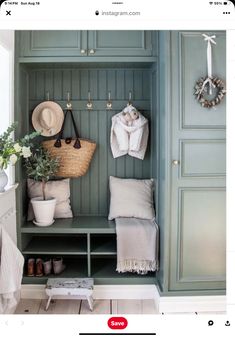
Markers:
point(74, 154)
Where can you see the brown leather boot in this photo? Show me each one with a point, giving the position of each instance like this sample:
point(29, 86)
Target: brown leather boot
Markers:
point(30, 267)
point(39, 267)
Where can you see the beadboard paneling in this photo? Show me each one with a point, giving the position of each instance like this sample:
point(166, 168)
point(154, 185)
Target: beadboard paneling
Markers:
point(90, 194)
point(154, 135)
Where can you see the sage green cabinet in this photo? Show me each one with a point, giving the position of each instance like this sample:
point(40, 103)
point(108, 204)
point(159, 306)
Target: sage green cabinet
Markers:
point(44, 43)
point(192, 169)
point(120, 43)
point(85, 43)
point(186, 153)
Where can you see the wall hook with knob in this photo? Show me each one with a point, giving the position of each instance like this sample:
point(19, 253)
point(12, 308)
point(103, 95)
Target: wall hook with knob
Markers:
point(89, 103)
point(48, 95)
point(69, 104)
point(130, 98)
point(109, 102)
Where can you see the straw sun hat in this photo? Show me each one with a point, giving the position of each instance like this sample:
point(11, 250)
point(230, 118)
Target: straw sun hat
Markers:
point(48, 118)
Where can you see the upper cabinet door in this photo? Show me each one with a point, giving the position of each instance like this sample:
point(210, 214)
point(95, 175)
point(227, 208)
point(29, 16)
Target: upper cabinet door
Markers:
point(119, 43)
point(85, 43)
point(53, 43)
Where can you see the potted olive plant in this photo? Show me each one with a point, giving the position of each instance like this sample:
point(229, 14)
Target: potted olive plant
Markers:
point(41, 167)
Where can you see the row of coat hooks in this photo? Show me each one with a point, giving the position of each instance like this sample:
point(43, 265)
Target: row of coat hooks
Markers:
point(89, 105)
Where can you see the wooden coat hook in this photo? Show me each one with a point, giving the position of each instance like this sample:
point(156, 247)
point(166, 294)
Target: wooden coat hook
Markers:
point(109, 102)
point(89, 103)
point(69, 104)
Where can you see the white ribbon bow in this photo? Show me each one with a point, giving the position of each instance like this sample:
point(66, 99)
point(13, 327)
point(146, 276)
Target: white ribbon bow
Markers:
point(211, 84)
point(209, 39)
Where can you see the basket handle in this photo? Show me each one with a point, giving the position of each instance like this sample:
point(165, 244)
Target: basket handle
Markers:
point(77, 144)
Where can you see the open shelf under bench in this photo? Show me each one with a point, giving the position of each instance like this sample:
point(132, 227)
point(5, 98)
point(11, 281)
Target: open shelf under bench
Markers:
point(62, 245)
point(102, 269)
point(87, 245)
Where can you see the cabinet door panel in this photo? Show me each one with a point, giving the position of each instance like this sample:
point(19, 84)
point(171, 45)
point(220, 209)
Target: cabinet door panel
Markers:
point(53, 43)
point(120, 43)
point(201, 251)
point(92, 43)
point(203, 158)
point(198, 226)
point(192, 48)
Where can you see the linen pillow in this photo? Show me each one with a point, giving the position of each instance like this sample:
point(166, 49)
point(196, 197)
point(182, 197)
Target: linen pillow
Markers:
point(132, 198)
point(59, 189)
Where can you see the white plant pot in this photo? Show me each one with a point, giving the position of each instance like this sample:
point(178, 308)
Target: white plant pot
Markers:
point(44, 211)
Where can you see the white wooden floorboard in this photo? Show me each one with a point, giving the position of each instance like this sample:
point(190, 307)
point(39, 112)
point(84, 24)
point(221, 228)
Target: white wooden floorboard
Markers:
point(99, 307)
point(178, 313)
point(36, 306)
point(69, 307)
point(126, 307)
point(28, 307)
point(214, 313)
point(196, 313)
point(114, 307)
point(149, 307)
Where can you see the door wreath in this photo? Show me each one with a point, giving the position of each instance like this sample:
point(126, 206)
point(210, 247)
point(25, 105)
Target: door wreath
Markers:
point(201, 91)
point(204, 85)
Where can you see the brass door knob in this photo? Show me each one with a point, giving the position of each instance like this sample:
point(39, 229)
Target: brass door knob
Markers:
point(92, 51)
point(175, 162)
point(83, 51)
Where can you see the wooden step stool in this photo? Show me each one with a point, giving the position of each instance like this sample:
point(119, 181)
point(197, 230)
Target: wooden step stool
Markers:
point(70, 287)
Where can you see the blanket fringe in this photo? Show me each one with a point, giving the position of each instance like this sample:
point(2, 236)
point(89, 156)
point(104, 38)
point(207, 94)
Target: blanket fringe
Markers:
point(136, 266)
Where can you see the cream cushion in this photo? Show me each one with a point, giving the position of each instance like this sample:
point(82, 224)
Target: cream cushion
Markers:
point(59, 189)
point(132, 198)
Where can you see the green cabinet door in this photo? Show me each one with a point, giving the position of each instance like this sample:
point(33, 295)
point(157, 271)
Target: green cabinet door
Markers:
point(85, 43)
point(53, 43)
point(197, 229)
point(119, 43)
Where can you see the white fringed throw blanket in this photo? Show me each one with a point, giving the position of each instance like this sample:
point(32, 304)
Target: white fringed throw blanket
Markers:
point(137, 245)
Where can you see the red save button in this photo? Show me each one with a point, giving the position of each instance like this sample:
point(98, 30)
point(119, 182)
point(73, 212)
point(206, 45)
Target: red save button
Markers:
point(117, 323)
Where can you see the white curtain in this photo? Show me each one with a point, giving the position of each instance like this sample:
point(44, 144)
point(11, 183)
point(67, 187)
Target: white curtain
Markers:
point(11, 273)
point(6, 86)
